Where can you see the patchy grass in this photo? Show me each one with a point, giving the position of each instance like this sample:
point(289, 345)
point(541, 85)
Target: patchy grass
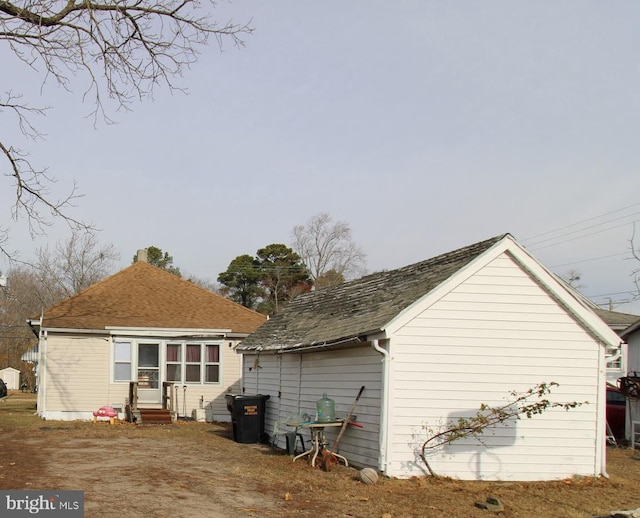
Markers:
point(196, 469)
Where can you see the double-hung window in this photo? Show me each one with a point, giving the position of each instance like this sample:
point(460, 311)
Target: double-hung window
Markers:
point(202, 363)
point(212, 363)
point(193, 363)
point(122, 361)
point(174, 362)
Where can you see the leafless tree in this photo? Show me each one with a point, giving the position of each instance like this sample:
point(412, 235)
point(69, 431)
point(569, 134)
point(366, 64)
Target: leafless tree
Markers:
point(573, 277)
point(75, 264)
point(327, 249)
point(21, 298)
point(121, 49)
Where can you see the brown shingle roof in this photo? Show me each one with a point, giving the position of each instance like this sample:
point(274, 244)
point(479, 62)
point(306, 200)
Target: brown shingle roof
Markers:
point(145, 296)
point(358, 307)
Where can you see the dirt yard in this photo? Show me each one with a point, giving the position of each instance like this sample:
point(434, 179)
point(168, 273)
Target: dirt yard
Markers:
point(196, 470)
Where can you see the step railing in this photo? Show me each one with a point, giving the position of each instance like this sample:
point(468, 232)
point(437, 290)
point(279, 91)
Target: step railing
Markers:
point(168, 401)
point(133, 395)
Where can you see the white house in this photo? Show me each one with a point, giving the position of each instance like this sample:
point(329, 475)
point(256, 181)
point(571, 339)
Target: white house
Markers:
point(433, 341)
point(142, 337)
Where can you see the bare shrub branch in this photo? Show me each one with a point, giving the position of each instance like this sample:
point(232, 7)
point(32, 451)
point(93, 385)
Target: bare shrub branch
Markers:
point(529, 403)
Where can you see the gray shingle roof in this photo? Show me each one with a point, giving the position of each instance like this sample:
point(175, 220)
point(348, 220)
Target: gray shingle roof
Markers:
point(358, 307)
point(616, 320)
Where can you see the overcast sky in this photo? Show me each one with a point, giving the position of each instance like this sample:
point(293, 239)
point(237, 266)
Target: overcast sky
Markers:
point(425, 125)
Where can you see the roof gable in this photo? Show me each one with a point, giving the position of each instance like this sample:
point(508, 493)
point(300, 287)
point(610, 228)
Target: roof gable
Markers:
point(143, 296)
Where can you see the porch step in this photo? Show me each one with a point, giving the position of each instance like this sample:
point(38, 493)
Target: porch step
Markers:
point(155, 416)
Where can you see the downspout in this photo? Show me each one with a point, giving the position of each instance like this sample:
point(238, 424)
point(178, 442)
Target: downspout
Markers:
point(384, 406)
point(601, 435)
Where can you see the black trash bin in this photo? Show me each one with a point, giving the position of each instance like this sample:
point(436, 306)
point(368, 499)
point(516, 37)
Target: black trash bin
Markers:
point(247, 416)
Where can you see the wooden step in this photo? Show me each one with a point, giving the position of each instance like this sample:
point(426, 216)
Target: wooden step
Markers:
point(155, 416)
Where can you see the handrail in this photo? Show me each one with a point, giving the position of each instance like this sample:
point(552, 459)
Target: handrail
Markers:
point(167, 396)
point(133, 395)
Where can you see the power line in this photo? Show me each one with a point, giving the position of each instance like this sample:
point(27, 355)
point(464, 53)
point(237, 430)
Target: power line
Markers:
point(609, 294)
point(589, 260)
point(580, 237)
point(580, 222)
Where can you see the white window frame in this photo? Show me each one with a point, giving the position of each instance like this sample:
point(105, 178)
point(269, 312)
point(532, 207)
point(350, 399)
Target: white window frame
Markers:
point(180, 361)
point(116, 361)
point(614, 358)
point(205, 363)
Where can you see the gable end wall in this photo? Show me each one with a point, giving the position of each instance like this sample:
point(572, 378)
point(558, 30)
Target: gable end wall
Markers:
point(496, 332)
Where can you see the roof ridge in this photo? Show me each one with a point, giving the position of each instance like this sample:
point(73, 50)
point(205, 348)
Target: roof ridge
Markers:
point(483, 245)
point(362, 305)
point(188, 282)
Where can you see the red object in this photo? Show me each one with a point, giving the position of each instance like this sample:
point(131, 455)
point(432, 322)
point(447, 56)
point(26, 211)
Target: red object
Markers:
point(616, 411)
point(105, 411)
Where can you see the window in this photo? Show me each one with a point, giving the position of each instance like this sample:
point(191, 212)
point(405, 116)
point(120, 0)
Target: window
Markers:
point(122, 361)
point(174, 362)
point(202, 363)
point(193, 363)
point(212, 364)
point(614, 358)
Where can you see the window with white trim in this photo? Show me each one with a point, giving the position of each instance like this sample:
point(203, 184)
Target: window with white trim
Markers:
point(193, 363)
point(212, 363)
point(122, 361)
point(614, 358)
point(201, 363)
point(174, 362)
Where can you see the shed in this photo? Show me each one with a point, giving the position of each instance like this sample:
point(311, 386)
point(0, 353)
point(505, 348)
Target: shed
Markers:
point(11, 377)
point(433, 341)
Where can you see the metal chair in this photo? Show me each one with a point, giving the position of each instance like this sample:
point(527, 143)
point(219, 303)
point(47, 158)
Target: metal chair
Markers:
point(289, 430)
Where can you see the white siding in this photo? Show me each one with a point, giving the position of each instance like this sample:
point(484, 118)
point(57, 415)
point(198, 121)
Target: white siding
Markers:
point(11, 377)
point(296, 381)
point(75, 376)
point(633, 348)
point(496, 332)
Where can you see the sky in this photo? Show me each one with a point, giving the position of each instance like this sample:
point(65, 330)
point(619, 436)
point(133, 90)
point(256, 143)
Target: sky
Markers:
point(425, 125)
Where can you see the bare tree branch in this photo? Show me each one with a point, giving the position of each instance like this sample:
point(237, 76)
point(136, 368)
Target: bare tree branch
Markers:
point(75, 264)
point(122, 49)
point(32, 194)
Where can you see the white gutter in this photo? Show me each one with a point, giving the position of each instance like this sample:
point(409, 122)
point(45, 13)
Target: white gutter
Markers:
point(601, 435)
point(163, 331)
point(314, 346)
point(384, 410)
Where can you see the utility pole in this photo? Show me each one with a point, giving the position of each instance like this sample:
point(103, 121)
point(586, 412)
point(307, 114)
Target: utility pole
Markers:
point(3, 285)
